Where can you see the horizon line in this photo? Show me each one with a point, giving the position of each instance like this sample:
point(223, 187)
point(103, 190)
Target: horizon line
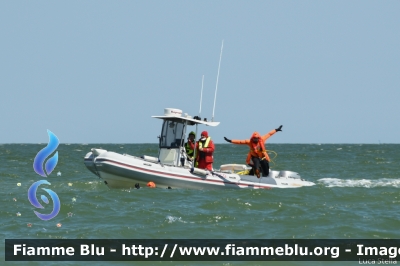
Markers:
point(222, 143)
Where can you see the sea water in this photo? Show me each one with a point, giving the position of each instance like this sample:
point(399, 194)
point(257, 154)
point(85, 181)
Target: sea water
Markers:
point(356, 196)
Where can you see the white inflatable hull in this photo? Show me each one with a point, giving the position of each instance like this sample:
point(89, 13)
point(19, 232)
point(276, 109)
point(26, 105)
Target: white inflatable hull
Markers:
point(124, 171)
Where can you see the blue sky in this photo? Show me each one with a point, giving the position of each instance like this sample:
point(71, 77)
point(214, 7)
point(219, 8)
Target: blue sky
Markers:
point(96, 71)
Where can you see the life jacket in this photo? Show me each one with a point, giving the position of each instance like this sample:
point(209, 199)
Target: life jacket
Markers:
point(189, 149)
point(206, 143)
point(207, 156)
point(258, 149)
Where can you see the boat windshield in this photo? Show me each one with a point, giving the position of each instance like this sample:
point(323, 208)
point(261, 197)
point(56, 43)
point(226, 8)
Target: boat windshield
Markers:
point(172, 134)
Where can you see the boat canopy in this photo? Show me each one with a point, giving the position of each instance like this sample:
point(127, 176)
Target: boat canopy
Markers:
point(175, 115)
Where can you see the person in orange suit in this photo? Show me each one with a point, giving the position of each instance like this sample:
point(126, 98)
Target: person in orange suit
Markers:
point(257, 155)
point(205, 149)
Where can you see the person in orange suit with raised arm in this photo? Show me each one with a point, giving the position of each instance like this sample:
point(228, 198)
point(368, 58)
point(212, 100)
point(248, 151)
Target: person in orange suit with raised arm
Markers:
point(257, 155)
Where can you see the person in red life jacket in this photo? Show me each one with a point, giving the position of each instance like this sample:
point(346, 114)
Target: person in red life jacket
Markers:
point(257, 155)
point(189, 146)
point(205, 149)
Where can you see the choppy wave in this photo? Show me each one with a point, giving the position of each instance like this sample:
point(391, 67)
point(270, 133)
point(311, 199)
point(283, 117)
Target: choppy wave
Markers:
point(363, 203)
point(172, 219)
point(367, 183)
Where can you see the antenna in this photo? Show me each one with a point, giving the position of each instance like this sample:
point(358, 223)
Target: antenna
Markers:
point(201, 94)
point(216, 86)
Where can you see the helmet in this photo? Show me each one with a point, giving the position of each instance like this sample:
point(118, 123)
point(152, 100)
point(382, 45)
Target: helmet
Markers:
point(192, 133)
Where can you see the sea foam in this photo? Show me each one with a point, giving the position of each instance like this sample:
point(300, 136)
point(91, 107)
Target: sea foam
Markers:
point(367, 183)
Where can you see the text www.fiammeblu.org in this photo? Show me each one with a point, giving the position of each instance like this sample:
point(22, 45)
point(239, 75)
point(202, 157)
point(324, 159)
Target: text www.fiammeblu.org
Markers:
point(232, 250)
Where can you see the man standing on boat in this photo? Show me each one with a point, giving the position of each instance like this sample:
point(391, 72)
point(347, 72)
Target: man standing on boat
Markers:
point(205, 149)
point(189, 146)
point(257, 155)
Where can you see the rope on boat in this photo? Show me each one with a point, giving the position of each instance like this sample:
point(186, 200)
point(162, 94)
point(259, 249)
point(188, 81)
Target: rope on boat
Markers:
point(272, 159)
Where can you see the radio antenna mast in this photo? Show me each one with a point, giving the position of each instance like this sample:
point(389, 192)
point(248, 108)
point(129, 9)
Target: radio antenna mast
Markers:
point(201, 94)
point(216, 86)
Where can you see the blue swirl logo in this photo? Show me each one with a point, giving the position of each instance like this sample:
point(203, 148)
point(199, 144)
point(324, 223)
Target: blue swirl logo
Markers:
point(45, 169)
point(32, 198)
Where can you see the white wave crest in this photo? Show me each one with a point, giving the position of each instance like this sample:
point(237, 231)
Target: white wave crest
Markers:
point(367, 183)
point(171, 219)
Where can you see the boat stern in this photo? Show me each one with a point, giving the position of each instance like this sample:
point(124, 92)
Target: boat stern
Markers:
point(292, 179)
